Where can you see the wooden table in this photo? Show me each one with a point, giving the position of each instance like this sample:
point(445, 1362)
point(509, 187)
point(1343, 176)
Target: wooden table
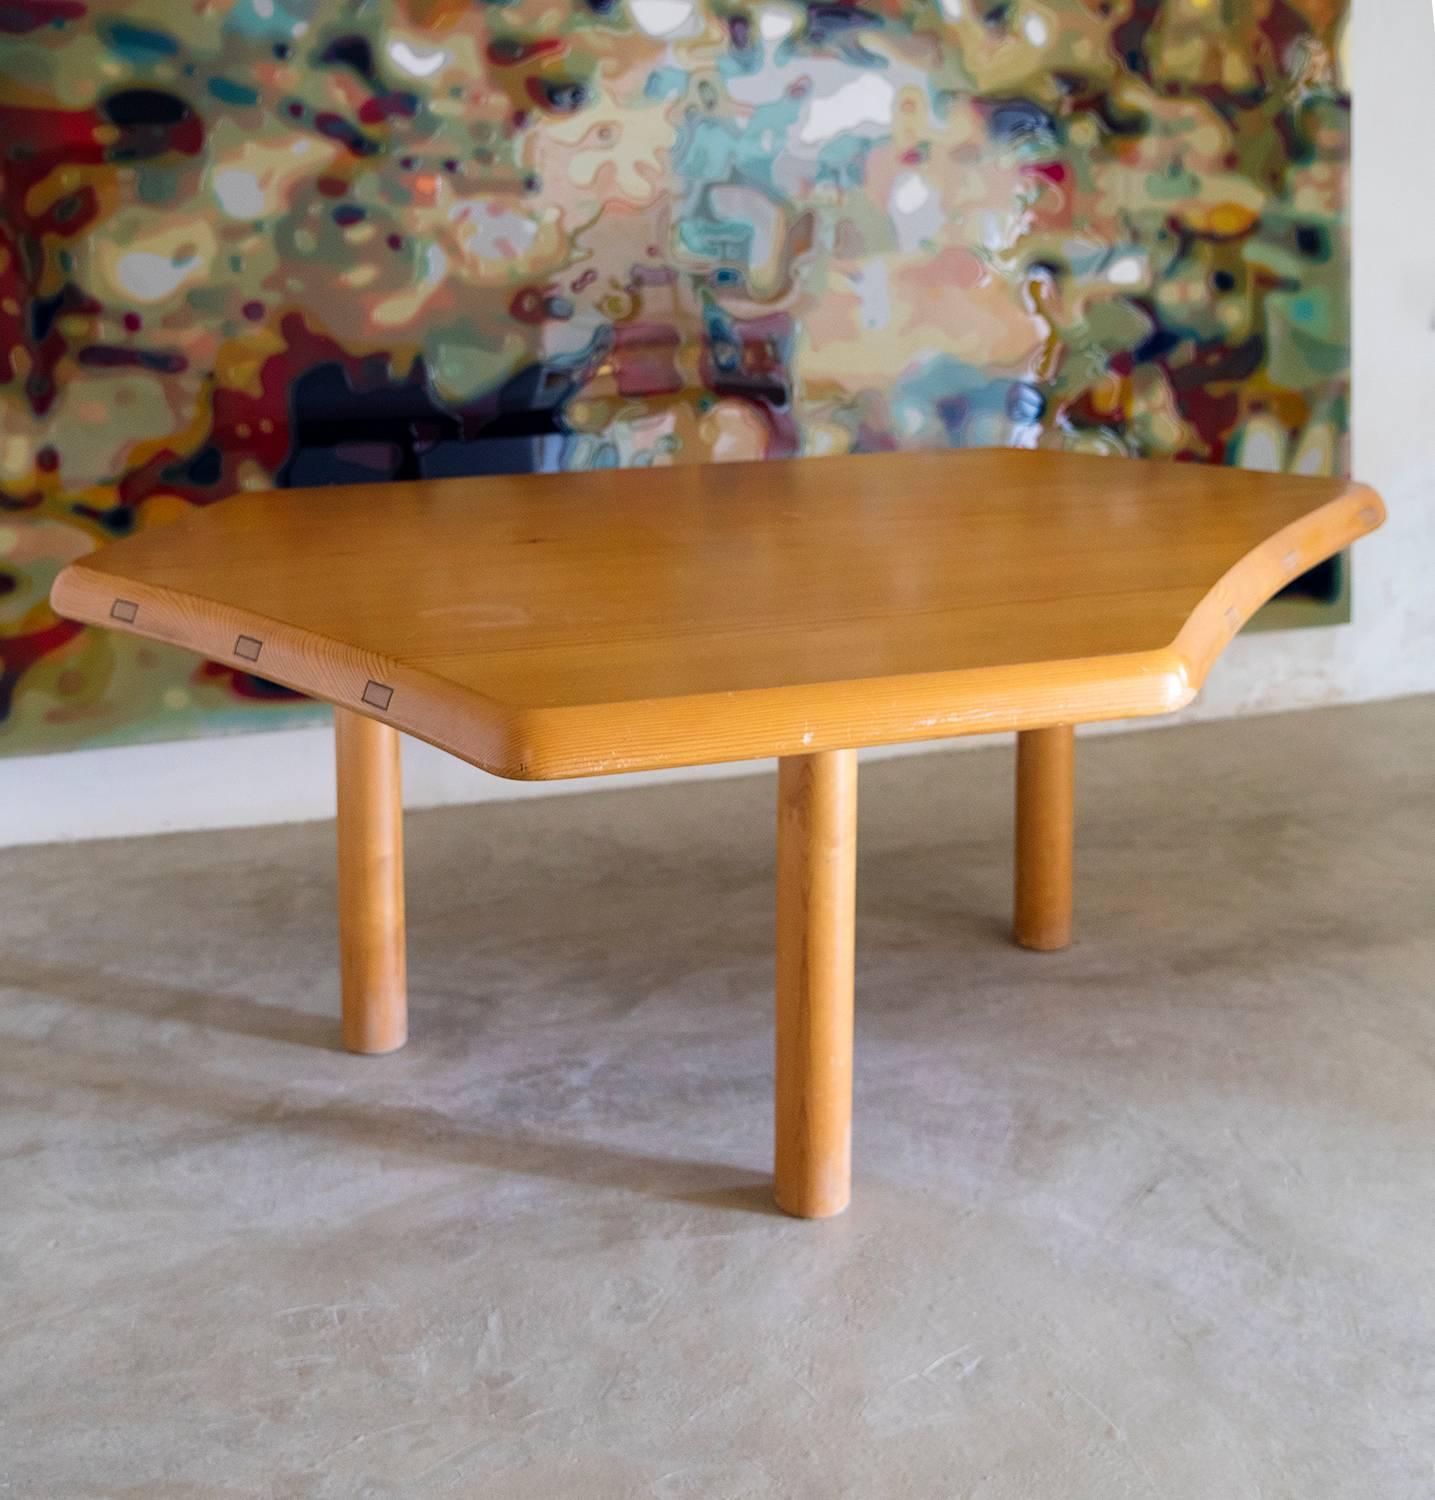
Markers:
point(550, 626)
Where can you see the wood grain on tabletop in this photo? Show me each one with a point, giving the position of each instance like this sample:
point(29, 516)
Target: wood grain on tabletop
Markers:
point(560, 625)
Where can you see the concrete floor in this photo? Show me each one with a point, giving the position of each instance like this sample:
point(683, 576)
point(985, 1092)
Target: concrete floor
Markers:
point(1153, 1218)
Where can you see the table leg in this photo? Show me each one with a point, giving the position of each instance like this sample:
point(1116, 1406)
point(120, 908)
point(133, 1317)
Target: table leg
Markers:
point(816, 890)
point(373, 977)
point(1045, 762)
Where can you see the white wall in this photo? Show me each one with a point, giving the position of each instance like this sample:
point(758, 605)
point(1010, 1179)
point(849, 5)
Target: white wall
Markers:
point(1388, 651)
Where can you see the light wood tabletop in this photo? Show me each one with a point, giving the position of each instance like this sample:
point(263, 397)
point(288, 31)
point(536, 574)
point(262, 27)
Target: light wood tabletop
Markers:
point(566, 625)
point(579, 624)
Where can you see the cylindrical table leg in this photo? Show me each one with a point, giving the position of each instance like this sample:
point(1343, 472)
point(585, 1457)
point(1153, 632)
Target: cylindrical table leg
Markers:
point(1045, 763)
point(372, 965)
point(816, 891)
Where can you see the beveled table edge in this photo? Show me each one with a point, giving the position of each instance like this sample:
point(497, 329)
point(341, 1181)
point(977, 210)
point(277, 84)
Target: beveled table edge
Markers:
point(545, 744)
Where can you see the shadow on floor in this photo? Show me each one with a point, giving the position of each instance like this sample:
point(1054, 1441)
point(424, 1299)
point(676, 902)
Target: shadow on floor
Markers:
point(156, 1000)
point(146, 1081)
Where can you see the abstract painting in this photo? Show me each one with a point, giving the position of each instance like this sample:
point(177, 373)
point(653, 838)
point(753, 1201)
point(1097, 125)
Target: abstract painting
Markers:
point(258, 243)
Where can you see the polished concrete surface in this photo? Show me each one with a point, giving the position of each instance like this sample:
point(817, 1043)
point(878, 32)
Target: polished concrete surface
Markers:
point(1154, 1217)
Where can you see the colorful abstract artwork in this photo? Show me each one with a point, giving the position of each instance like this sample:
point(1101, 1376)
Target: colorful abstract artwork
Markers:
point(248, 243)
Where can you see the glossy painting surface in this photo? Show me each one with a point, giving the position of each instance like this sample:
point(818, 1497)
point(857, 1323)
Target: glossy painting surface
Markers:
point(256, 242)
